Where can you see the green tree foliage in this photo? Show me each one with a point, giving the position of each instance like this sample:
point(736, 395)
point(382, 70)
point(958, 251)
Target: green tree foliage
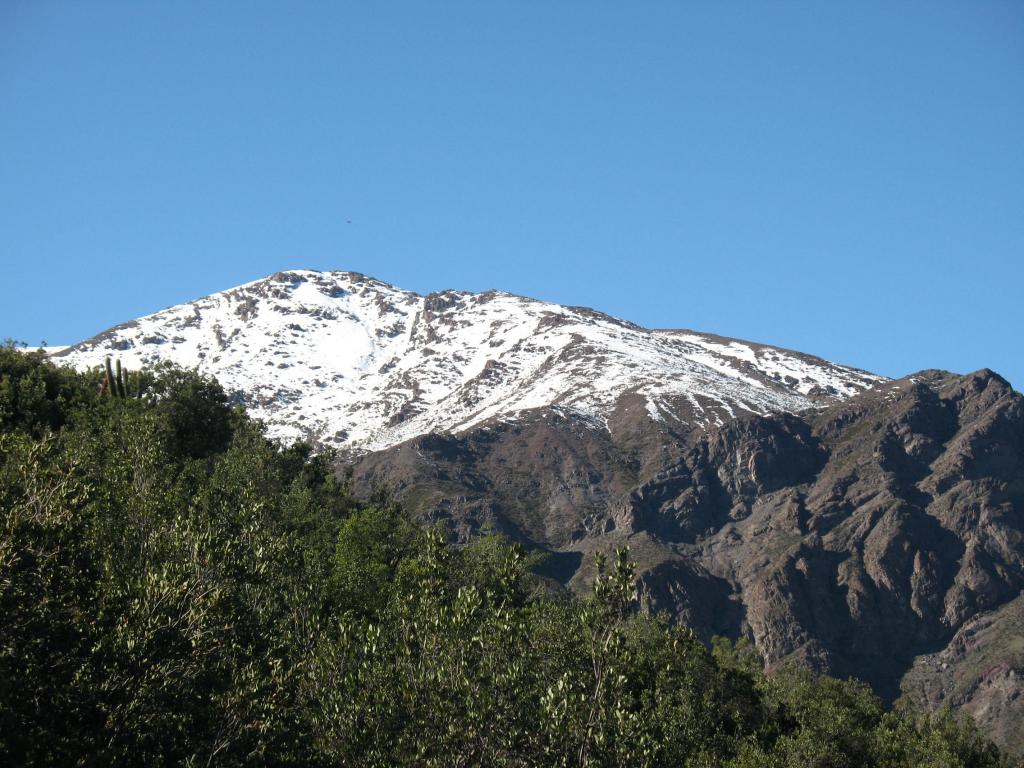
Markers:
point(178, 590)
point(36, 396)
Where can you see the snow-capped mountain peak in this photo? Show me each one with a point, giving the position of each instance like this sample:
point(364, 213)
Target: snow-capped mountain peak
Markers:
point(350, 361)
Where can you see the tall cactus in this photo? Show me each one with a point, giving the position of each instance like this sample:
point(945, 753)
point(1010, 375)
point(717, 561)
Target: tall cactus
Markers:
point(122, 390)
point(109, 387)
point(116, 383)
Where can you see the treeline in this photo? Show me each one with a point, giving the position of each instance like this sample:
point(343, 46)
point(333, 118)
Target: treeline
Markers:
point(175, 589)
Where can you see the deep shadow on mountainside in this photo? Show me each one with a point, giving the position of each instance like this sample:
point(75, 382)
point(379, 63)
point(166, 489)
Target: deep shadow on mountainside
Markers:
point(879, 537)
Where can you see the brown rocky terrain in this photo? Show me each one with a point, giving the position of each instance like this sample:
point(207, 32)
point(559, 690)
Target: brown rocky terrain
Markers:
point(881, 536)
point(980, 671)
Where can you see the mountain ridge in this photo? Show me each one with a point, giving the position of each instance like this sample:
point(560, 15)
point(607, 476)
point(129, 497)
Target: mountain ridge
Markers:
point(365, 345)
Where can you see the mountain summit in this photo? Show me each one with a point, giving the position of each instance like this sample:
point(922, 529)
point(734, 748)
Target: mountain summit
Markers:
point(349, 361)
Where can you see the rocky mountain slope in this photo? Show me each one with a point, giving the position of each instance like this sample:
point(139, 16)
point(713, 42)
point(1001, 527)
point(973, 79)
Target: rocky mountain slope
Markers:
point(881, 536)
point(851, 523)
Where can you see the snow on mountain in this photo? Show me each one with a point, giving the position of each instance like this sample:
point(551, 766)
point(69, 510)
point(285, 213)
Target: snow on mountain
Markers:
point(359, 364)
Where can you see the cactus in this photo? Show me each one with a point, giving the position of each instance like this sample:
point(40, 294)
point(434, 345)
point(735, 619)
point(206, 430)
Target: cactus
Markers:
point(139, 383)
point(122, 390)
point(108, 383)
point(117, 382)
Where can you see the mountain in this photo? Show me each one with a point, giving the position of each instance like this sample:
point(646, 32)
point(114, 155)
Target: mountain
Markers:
point(853, 524)
point(881, 536)
point(355, 363)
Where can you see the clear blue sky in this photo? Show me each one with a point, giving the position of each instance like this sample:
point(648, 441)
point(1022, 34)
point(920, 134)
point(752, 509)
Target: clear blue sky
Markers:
point(845, 179)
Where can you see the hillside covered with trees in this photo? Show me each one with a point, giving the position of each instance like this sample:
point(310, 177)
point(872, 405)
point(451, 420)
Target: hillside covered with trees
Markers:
point(176, 589)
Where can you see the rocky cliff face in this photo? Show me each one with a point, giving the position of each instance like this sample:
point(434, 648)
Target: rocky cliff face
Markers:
point(853, 524)
point(881, 536)
point(980, 671)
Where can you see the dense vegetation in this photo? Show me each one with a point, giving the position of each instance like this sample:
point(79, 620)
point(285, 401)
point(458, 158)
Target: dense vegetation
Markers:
point(177, 589)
